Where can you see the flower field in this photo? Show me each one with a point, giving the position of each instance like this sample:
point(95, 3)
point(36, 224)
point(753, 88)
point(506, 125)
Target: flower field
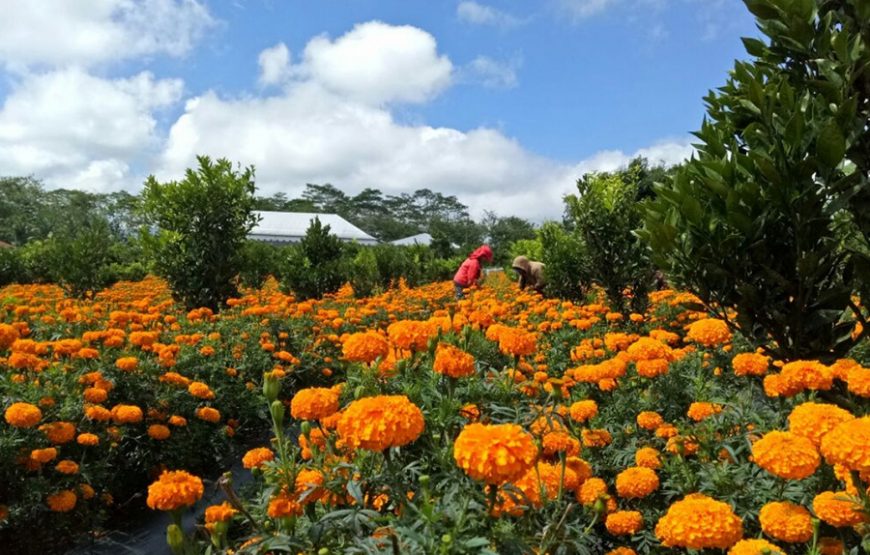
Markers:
point(413, 423)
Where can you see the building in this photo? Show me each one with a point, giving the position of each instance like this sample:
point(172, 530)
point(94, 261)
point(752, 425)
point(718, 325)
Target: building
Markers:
point(290, 227)
point(419, 239)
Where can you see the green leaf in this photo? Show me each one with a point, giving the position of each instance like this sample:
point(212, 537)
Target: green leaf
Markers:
point(754, 47)
point(831, 145)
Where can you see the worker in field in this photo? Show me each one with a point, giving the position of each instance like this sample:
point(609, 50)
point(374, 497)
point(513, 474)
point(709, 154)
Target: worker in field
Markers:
point(531, 273)
point(471, 271)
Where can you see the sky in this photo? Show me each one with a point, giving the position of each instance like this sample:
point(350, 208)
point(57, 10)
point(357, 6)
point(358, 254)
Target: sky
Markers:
point(503, 103)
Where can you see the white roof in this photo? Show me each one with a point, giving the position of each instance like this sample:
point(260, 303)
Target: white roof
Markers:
point(290, 227)
point(419, 239)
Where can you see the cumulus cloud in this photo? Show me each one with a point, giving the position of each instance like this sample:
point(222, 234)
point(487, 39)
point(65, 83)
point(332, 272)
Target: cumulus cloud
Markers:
point(274, 64)
point(60, 32)
point(481, 14)
point(492, 73)
point(582, 9)
point(76, 130)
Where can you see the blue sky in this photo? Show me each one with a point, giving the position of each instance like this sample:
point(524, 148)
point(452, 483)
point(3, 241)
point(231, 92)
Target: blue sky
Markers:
point(503, 103)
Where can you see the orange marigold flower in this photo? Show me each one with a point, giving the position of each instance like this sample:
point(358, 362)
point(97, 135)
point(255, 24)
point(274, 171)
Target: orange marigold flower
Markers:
point(23, 415)
point(59, 432)
point(127, 364)
point(591, 491)
point(470, 411)
point(43, 456)
point(516, 342)
point(755, 547)
point(284, 505)
point(831, 546)
point(652, 368)
point(709, 332)
point(685, 446)
point(177, 421)
point(622, 551)
point(62, 501)
point(786, 455)
point(596, 438)
point(581, 411)
point(95, 395)
point(785, 521)
point(208, 414)
point(648, 457)
point(699, 522)
point(800, 375)
point(453, 361)
point(667, 431)
point(219, 513)
point(314, 403)
point(200, 390)
point(636, 482)
point(624, 523)
point(126, 414)
point(88, 440)
point(700, 411)
point(377, 423)
point(255, 458)
point(848, 444)
point(814, 420)
point(750, 364)
point(411, 335)
point(494, 453)
point(97, 413)
point(67, 466)
point(309, 485)
point(858, 380)
point(838, 509)
point(540, 482)
point(158, 432)
point(647, 348)
point(649, 420)
point(174, 490)
point(365, 347)
point(559, 442)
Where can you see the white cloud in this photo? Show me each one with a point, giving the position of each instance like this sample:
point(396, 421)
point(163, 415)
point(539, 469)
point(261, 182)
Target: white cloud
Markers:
point(492, 73)
point(481, 14)
point(378, 63)
point(582, 9)
point(76, 130)
point(274, 64)
point(60, 32)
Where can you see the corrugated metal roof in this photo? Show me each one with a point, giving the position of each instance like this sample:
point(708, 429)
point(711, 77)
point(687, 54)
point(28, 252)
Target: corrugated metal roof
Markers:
point(419, 239)
point(290, 227)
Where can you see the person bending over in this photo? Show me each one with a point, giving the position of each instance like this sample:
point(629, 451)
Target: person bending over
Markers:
point(531, 273)
point(471, 272)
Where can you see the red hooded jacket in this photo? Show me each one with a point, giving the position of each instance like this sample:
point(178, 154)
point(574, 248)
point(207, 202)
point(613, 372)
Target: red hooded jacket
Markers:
point(469, 271)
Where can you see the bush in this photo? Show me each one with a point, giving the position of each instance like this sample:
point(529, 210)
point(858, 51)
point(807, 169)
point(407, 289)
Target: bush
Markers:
point(259, 261)
point(364, 272)
point(203, 222)
point(80, 260)
point(317, 265)
point(11, 267)
point(564, 255)
point(530, 248)
point(748, 224)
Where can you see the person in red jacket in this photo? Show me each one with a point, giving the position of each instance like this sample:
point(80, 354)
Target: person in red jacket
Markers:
point(470, 272)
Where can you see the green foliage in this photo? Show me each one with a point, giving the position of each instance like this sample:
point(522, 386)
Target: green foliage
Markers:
point(749, 223)
point(502, 232)
point(203, 222)
point(259, 261)
point(80, 260)
point(564, 254)
point(605, 214)
point(317, 265)
point(532, 249)
point(364, 272)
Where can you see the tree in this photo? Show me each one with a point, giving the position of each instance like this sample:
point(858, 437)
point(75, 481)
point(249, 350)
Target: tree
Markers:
point(748, 224)
point(203, 221)
point(317, 265)
point(503, 231)
point(80, 259)
point(566, 263)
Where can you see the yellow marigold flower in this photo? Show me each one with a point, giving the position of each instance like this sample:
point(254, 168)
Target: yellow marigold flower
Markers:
point(838, 509)
point(709, 332)
point(314, 403)
point(858, 380)
point(59, 432)
point(649, 420)
point(785, 521)
point(624, 523)
point(365, 347)
point(591, 491)
point(636, 482)
point(411, 335)
point(127, 364)
point(648, 457)
point(158, 432)
point(494, 453)
point(200, 390)
point(43, 456)
point(284, 505)
point(23, 415)
point(652, 368)
point(88, 440)
point(699, 522)
point(786, 455)
point(377, 423)
point(257, 457)
point(62, 501)
point(831, 546)
point(750, 364)
point(700, 411)
point(208, 414)
point(453, 361)
point(596, 438)
point(581, 411)
point(814, 420)
point(848, 444)
point(174, 490)
point(755, 547)
point(126, 414)
point(219, 513)
point(67, 466)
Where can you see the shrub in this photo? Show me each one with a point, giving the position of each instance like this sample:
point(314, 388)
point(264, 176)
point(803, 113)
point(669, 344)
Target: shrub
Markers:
point(79, 260)
point(259, 261)
point(566, 262)
point(203, 222)
point(317, 265)
point(11, 267)
point(364, 272)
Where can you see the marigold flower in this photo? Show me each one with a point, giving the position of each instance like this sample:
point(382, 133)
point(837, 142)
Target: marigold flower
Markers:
point(699, 522)
point(797, 376)
point(591, 491)
point(200, 390)
point(67, 466)
point(471, 412)
point(208, 414)
point(411, 335)
point(309, 485)
point(652, 368)
point(701, 411)
point(649, 420)
point(158, 432)
point(255, 458)
point(88, 440)
point(622, 551)
point(648, 457)
point(23, 415)
point(814, 420)
point(219, 513)
point(517, 342)
point(127, 364)
point(581, 411)
point(453, 362)
point(62, 501)
point(284, 505)
point(365, 347)
point(755, 547)
point(539, 482)
point(126, 414)
point(624, 523)
point(750, 364)
point(848, 444)
point(667, 431)
point(43, 456)
point(314, 403)
point(177, 421)
point(174, 490)
point(636, 482)
point(95, 395)
point(786, 455)
point(59, 432)
point(839, 509)
point(596, 438)
point(559, 442)
point(831, 546)
point(785, 521)
point(858, 380)
point(647, 348)
point(494, 453)
point(97, 413)
point(377, 423)
point(709, 332)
